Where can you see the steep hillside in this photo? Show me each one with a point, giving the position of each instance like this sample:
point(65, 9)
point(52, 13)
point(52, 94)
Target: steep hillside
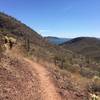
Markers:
point(87, 46)
point(17, 81)
point(31, 43)
point(28, 38)
point(9, 24)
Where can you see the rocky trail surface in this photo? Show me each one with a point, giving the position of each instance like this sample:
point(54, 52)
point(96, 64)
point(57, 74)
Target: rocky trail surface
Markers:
point(24, 79)
point(47, 88)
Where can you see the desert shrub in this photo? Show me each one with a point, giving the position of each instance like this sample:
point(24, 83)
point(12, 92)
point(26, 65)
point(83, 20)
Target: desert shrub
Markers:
point(1, 49)
point(94, 86)
point(59, 60)
point(1, 42)
point(1, 52)
point(69, 67)
point(86, 72)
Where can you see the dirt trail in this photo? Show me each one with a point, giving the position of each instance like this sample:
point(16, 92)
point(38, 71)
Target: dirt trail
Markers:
point(48, 90)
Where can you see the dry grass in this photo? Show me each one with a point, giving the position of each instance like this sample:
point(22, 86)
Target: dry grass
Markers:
point(16, 81)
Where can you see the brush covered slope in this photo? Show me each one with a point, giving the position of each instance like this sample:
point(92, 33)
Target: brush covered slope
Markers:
point(30, 40)
point(14, 69)
point(87, 46)
point(31, 43)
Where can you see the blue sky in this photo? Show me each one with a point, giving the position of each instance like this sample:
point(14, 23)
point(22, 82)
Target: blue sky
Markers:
point(61, 18)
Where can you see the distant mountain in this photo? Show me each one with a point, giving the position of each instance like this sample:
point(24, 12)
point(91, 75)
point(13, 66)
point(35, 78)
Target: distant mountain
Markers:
point(87, 46)
point(56, 40)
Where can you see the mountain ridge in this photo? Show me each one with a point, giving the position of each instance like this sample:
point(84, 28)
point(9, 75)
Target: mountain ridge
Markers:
point(87, 46)
point(56, 40)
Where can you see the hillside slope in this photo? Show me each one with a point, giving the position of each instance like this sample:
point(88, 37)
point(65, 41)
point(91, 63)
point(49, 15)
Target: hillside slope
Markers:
point(23, 79)
point(17, 81)
point(9, 25)
point(87, 46)
point(29, 40)
point(31, 44)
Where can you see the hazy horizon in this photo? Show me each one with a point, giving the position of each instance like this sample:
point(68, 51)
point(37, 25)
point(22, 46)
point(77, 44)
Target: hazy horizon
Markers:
point(63, 18)
point(70, 37)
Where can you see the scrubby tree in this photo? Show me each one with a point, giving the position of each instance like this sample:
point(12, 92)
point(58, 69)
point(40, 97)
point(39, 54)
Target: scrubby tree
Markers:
point(55, 60)
point(1, 46)
point(94, 85)
point(62, 62)
point(27, 43)
point(59, 60)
